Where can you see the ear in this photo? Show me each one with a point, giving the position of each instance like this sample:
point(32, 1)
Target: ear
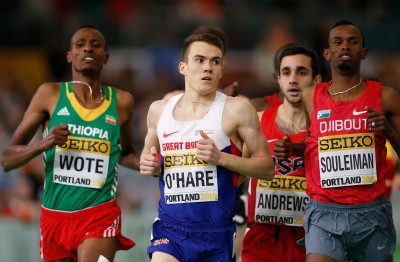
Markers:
point(327, 54)
point(364, 53)
point(68, 56)
point(182, 68)
point(106, 59)
point(317, 79)
point(275, 76)
point(278, 80)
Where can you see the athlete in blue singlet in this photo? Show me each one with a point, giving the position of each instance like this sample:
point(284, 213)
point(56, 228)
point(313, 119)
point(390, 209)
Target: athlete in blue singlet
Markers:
point(199, 135)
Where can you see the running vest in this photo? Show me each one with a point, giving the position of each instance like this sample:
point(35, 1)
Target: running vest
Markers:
point(345, 161)
point(273, 99)
point(282, 200)
point(191, 190)
point(82, 172)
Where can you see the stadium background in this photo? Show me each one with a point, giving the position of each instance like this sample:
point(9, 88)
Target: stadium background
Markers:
point(144, 39)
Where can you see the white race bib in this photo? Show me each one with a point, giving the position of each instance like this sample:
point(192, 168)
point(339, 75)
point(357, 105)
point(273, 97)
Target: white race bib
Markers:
point(82, 162)
point(347, 160)
point(188, 179)
point(281, 200)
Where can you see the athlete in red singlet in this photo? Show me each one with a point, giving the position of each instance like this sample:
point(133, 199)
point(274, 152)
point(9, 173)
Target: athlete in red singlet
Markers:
point(348, 217)
point(276, 208)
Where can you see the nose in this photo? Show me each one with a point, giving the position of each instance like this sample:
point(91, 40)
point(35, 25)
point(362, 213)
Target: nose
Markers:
point(345, 46)
point(88, 47)
point(208, 67)
point(293, 78)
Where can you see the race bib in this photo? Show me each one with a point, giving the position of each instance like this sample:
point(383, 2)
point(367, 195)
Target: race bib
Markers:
point(347, 160)
point(82, 162)
point(281, 200)
point(188, 179)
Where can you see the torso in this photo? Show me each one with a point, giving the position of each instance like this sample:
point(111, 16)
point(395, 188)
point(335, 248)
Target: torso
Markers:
point(281, 201)
point(344, 159)
point(192, 190)
point(83, 172)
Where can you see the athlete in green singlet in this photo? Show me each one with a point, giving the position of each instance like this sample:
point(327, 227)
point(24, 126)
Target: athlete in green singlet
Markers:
point(86, 133)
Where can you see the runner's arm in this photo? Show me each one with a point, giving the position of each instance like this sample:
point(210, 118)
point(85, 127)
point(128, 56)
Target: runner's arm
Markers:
point(20, 151)
point(149, 160)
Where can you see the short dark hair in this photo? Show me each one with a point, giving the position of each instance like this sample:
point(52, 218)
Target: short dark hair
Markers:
point(347, 22)
point(214, 30)
point(295, 49)
point(207, 38)
point(91, 27)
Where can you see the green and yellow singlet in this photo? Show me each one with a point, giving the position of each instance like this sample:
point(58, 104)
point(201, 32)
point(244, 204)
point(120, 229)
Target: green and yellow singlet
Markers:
point(83, 172)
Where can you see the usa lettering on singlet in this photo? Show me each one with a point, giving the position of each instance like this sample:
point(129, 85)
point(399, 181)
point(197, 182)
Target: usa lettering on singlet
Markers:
point(281, 200)
point(189, 179)
point(82, 161)
point(347, 160)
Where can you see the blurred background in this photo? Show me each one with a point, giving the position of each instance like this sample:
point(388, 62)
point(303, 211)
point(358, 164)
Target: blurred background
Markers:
point(144, 39)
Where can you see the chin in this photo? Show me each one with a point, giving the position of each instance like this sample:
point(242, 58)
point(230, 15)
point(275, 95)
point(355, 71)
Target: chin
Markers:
point(344, 67)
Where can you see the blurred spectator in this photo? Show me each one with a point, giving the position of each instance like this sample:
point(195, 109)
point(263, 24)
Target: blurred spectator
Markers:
point(20, 188)
point(278, 32)
point(388, 70)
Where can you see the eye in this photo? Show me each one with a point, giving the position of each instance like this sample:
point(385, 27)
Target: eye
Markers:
point(216, 62)
point(303, 72)
point(96, 44)
point(354, 41)
point(285, 73)
point(199, 60)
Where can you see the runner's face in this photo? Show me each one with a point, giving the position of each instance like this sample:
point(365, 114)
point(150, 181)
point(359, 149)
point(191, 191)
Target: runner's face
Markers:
point(203, 68)
point(87, 51)
point(345, 50)
point(295, 75)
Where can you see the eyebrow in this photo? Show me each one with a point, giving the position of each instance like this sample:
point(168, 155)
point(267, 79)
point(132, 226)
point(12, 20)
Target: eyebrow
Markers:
point(346, 37)
point(212, 58)
point(296, 68)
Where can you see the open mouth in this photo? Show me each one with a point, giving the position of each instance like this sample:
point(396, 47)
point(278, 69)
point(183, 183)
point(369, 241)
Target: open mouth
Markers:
point(207, 78)
point(88, 58)
point(345, 57)
point(294, 91)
